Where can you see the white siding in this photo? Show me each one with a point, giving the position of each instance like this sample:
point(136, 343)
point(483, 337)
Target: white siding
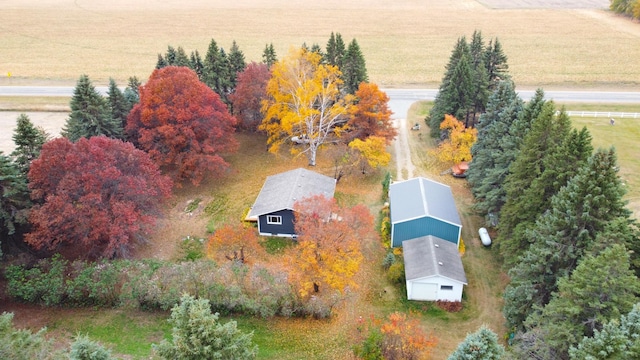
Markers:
point(431, 289)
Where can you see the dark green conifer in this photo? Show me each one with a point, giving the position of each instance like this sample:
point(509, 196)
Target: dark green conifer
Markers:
point(90, 115)
point(269, 55)
point(29, 140)
point(354, 69)
point(14, 195)
point(118, 104)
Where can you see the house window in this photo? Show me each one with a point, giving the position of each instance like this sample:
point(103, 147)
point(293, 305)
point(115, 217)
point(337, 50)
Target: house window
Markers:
point(446, 287)
point(274, 219)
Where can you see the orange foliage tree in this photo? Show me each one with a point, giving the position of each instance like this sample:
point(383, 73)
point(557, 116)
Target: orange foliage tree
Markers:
point(373, 151)
point(329, 249)
point(399, 338)
point(182, 124)
point(371, 116)
point(235, 243)
point(457, 146)
point(304, 100)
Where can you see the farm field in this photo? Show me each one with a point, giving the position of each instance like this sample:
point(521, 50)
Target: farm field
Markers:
point(405, 43)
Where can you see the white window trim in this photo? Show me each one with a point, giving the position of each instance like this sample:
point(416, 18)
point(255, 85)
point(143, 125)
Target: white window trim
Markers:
point(271, 218)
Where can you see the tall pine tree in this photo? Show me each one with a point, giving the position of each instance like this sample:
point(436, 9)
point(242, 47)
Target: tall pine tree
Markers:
point(237, 64)
point(90, 115)
point(582, 210)
point(493, 152)
point(354, 69)
point(269, 56)
point(547, 134)
point(29, 140)
point(14, 195)
point(335, 50)
point(216, 70)
point(118, 105)
point(602, 288)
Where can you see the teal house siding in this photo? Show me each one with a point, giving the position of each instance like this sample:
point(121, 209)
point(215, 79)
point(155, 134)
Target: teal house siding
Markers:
point(424, 226)
point(421, 207)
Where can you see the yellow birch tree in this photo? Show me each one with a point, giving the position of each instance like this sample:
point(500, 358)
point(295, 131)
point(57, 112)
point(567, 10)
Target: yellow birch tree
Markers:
point(304, 100)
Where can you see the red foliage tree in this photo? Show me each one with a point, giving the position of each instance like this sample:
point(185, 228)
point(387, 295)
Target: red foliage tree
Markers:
point(371, 115)
point(98, 195)
point(250, 91)
point(182, 124)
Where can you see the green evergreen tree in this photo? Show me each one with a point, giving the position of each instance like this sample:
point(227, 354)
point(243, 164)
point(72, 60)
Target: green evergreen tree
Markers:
point(170, 56)
point(579, 212)
point(496, 64)
point(90, 114)
point(335, 50)
point(602, 288)
point(22, 344)
point(118, 104)
point(269, 56)
point(161, 62)
point(83, 348)
point(354, 69)
point(216, 70)
point(132, 92)
point(197, 334)
point(548, 132)
point(196, 64)
point(492, 153)
point(29, 140)
point(237, 64)
point(315, 48)
point(453, 97)
point(181, 58)
point(15, 197)
point(481, 345)
point(480, 82)
point(618, 340)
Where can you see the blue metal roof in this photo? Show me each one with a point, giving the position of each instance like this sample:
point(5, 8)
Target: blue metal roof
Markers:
point(420, 197)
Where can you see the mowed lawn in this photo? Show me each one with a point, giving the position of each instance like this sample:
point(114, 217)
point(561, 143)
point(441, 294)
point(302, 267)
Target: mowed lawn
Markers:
point(405, 42)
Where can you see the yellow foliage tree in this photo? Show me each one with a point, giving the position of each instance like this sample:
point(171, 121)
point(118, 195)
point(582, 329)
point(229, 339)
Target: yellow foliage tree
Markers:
point(457, 146)
point(304, 100)
point(329, 250)
point(373, 149)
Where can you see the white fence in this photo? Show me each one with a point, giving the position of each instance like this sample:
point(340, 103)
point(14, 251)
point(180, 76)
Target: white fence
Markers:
point(603, 114)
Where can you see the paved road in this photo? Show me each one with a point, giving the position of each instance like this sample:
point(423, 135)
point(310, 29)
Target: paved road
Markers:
point(401, 99)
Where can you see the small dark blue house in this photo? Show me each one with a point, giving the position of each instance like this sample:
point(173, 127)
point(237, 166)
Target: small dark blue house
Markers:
point(273, 208)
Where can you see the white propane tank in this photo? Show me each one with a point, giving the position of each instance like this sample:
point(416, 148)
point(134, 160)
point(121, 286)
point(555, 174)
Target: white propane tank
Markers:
point(484, 237)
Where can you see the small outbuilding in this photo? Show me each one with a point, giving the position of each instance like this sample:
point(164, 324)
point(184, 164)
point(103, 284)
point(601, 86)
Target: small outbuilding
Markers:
point(421, 207)
point(273, 208)
point(433, 269)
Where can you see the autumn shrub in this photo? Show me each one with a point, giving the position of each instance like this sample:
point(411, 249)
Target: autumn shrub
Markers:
point(388, 260)
point(94, 284)
point(397, 338)
point(191, 249)
point(395, 273)
point(449, 306)
point(386, 182)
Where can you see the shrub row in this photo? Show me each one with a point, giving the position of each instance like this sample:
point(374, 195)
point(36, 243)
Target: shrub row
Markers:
point(231, 287)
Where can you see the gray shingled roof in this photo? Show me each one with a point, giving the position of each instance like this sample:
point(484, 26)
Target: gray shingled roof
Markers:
point(420, 197)
point(423, 256)
point(281, 191)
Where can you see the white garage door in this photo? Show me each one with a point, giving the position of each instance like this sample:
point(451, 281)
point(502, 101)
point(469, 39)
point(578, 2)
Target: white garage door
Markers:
point(424, 291)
